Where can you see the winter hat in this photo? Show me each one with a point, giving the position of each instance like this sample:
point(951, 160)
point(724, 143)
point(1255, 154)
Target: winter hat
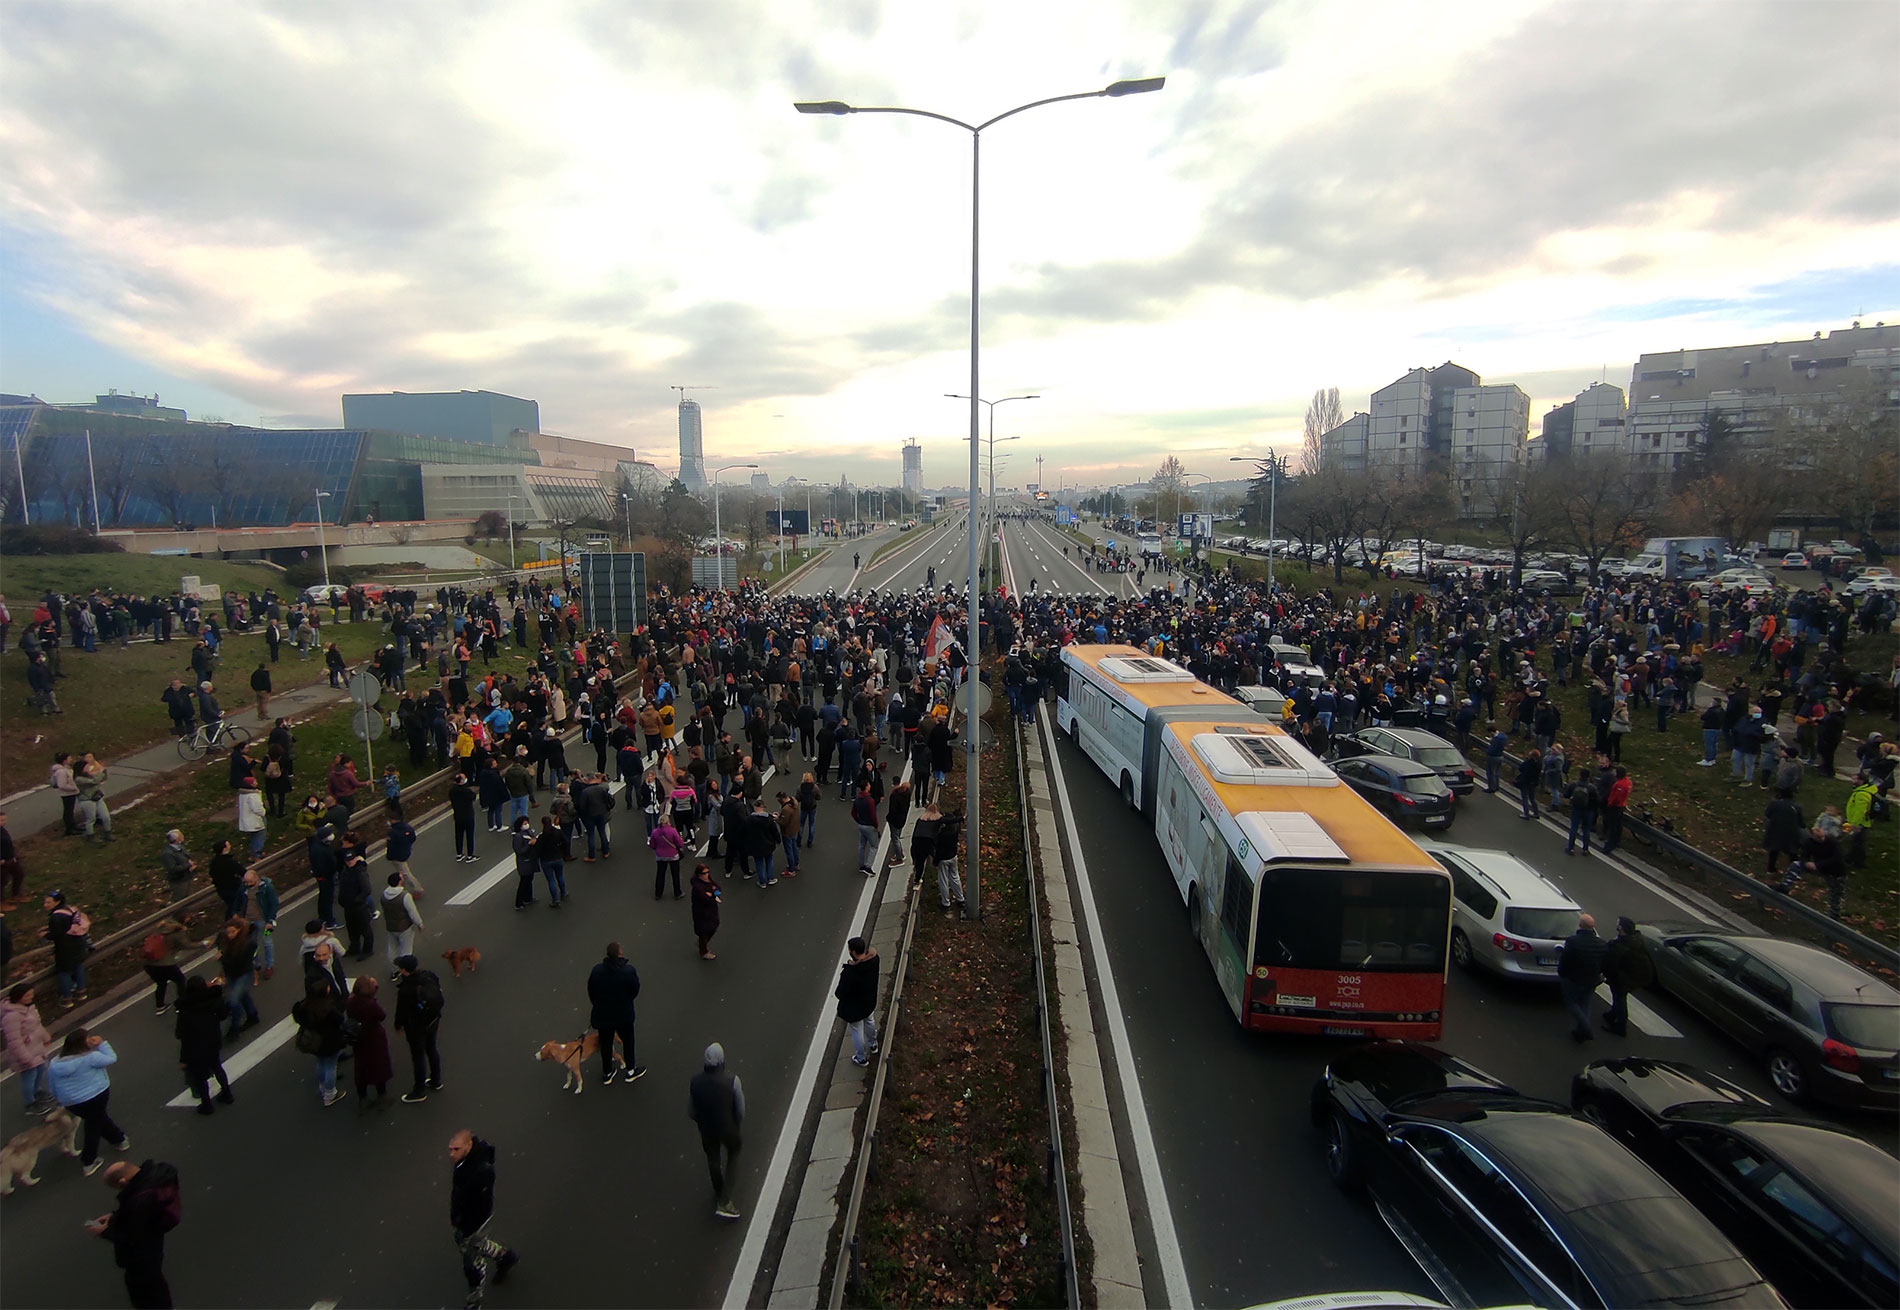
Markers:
point(407, 963)
point(715, 1056)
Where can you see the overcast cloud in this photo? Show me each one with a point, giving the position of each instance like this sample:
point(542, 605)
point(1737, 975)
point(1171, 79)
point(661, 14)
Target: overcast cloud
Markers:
point(585, 203)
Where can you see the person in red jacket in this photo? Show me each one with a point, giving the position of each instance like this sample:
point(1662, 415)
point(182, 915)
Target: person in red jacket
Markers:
point(1615, 806)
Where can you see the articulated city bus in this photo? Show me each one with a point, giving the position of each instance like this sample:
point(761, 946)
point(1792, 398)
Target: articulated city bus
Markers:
point(1317, 914)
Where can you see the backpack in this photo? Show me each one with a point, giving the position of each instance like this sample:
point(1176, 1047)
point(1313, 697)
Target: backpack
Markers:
point(273, 770)
point(153, 948)
point(429, 999)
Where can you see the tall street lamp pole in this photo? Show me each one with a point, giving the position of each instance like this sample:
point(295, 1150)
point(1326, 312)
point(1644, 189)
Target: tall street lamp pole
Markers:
point(626, 503)
point(323, 549)
point(511, 531)
point(719, 540)
point(970, 734)
point(1274, 466)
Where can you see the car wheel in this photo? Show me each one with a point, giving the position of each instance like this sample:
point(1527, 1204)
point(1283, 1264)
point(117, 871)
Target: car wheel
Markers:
point(1788, 1074)
point(1342, 1157)
point(1461, 950)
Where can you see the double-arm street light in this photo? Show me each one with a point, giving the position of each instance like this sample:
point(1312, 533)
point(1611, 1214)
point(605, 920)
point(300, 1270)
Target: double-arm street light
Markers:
point(1273, 468)
point(971, 744)
point(719, 541)
point(991, 438)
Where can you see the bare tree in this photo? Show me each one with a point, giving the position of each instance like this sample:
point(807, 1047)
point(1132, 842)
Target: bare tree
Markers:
point(116, 459)
point(1167, 483)
point(1527, 503)
point(1323, 414)
point(1607, 504)
point(1855, 455)
point(1738, 504)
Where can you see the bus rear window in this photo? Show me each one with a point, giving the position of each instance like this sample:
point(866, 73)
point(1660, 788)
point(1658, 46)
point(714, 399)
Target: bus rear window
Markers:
point(1340, 919)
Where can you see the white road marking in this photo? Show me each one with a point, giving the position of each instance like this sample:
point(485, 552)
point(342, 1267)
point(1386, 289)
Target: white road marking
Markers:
point(262, 1047)
point(487, 882)
point(1642, 1018)
point(778, 1173)
point(1134, 1106)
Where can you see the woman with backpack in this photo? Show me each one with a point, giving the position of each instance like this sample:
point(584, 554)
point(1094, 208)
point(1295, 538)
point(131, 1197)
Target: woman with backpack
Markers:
point(321, 1029)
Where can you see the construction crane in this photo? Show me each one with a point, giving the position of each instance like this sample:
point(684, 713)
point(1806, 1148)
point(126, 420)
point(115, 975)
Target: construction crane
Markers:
point(689, 387)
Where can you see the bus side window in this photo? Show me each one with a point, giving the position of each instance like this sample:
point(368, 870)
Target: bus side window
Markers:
point(1236, 906)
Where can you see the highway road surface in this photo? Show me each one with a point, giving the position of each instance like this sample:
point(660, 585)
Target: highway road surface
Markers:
point(605, 1194)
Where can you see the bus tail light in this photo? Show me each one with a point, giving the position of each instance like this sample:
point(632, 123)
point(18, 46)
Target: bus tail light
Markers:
point(1839, 1055)
point(1504, 943)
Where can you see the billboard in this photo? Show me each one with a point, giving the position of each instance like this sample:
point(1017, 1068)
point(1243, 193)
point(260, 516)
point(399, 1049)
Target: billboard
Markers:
point(1065, 517)
point(797, 522)
point(1195, 525)
point(613, 590)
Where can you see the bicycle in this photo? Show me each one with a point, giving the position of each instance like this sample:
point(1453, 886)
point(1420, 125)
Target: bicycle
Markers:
point(198, 743)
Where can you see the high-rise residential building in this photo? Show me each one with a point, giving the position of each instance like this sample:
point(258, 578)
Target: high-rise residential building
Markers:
point(1399, 439)
point(692, 447)
point(913, 467)
point(1344, 448)
point(484, 416)
point(1484, 444)
point(761, 481)
point(1595, 422)
point(1758, 389)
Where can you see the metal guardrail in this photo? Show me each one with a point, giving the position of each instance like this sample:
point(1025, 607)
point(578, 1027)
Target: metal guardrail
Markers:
point(1054, 1162)
point(1668, 843)
point(844, 1269)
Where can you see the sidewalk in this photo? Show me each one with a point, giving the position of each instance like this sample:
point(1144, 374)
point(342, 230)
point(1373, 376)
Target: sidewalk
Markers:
point(38, 809)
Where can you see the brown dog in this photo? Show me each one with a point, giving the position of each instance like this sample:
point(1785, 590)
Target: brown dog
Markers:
point(571, 1055)
point(19, 1156)
point(462, 955)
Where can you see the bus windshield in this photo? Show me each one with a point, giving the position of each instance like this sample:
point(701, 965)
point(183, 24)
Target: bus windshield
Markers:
point(1340, 919)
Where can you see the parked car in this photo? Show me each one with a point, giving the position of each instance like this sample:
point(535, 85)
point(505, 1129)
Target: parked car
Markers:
point(1868, 579)
point(1840, 547)
point(1825, 1030)
point(1262, 700)
point(1508, 1200)
point(1557, 584)
point(1811, 1203)
point(1794, 559)
point(1407, 793)
point(1416, 744)
point(1296, 665)
point(1505, 916)
point(324, 593)
point(1750, 582)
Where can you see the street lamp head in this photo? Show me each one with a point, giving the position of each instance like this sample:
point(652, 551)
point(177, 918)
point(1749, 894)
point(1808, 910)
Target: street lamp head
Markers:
point(1134, 86)
point(830, 106)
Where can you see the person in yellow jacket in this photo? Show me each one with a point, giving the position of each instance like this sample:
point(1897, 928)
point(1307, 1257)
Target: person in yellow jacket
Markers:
point(1855, 816)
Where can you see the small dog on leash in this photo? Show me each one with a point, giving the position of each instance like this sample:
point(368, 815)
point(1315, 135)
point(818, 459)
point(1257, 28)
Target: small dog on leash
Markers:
point(20, 1155)
point(570, 1056)
point(460, 956)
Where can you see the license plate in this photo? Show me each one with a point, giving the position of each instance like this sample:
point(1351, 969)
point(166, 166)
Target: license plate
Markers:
point(1547, 961)
point(1431, 819)
point(1334, 1031)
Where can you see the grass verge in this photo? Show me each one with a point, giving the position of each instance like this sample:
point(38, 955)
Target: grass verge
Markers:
point(958, 1210)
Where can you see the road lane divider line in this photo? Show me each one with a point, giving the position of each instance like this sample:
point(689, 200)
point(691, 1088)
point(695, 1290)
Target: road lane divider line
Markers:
point(778, 1172)
point(1134, 1105)
point(265, 1045)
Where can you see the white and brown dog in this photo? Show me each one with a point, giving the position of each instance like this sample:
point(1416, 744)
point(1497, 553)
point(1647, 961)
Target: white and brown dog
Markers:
point(19, 1156)
point(570, 1056)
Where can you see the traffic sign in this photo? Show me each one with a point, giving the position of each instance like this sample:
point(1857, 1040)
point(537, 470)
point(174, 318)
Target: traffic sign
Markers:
point(364, 688)
point(368, 725)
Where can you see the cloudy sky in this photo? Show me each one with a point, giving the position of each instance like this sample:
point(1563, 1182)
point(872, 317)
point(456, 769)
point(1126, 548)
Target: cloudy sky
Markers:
point(251, 208)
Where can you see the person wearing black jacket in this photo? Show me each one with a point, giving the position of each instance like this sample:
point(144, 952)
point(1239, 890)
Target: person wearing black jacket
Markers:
point(200, 1033)
point(949, 885)
point(856, 994)
point(732, 814)
point(149, 1207)
point(1583, 799)
point(1626, 968)
point(352, 891)
point(715, 1100)
point(1820, 855)
point(1579, 970)
point(471, 1206)
point(181, 705)
point(462, 814)
point(612, 988)
point(761, 843)
point(418, 1018)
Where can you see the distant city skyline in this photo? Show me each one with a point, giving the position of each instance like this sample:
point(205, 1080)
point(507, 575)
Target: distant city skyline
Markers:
point(1172, 274)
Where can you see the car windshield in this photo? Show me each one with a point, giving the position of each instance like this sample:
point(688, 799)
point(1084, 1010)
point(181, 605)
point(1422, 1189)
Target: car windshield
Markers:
point(1871, 1027)
point(1333, 919)
point(1552, 925)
